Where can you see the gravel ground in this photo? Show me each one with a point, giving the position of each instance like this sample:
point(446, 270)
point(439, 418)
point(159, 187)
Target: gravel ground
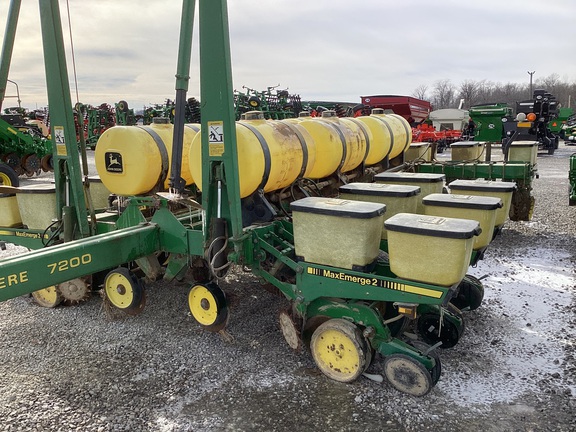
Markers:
point(73, 368)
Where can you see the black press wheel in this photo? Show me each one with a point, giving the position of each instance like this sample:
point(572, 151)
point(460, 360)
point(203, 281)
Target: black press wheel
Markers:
point(407, 375)
point(449, 333)
point(470, 294)
point(436, 371)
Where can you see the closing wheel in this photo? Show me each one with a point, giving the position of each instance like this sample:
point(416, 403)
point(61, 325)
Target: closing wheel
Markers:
point(290, 330)
point(31, 165)
point(470, 294)
point(13, 161)
point(208, 306)
point(339, 350)
point(407, 375)
point(436, 371)
point(124, 291)
point(74, 291)
point(449, 333)
point(47, 163)
point(48, 297)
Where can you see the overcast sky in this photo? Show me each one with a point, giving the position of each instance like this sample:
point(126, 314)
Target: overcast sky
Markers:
point(334, 50)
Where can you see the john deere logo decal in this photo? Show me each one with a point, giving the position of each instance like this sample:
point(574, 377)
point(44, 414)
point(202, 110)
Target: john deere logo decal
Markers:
point(114, 162)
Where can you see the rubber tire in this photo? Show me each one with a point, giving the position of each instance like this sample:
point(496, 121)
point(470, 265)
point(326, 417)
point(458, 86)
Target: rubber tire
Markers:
point(436, 371)
point(347, 330)
point(220, 302)
point(8, 177)
point(427, 324)
point(470, 294)
point(405, 378)
point(254, 102)
point(138, 295)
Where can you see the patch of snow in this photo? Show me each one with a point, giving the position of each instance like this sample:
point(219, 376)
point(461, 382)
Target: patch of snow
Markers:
point(530, 297)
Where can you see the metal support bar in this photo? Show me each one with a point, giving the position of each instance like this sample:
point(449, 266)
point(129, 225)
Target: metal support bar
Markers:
point(67, 172)
point(182, 78)
point(219, 151)
point(8, 46)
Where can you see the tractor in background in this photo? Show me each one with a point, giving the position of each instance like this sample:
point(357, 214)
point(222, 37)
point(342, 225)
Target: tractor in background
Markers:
point(532, 122)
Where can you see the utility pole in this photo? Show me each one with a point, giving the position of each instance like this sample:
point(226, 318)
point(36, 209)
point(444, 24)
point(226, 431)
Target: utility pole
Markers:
point(531, 73)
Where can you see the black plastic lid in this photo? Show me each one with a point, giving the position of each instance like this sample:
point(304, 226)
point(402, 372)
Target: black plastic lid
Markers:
point(472, 202)
point(524, 143)
point(40, 188)
point(465, 144)
point(338, 207)
point(433, 226)
point(410, 177)
point(482, 185)
point(380, 189)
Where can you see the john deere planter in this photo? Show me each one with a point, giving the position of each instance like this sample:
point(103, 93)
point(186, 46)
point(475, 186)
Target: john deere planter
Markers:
point(255, 193)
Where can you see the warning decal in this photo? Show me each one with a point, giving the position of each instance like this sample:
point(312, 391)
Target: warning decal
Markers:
point(216, 138)
point(60, 141)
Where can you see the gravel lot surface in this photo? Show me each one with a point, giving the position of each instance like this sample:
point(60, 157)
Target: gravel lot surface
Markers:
point(74, 369)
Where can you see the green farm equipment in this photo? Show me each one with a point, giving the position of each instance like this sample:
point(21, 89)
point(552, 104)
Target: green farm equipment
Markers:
point(488, 120)
point(93, 121)
point(274, 104)
point(557, 123)
point(347, 298)
point(532, 122)
point(165, 110)
point(23, 147)
point(124, 115)
point(522, 173)
point(569, 130)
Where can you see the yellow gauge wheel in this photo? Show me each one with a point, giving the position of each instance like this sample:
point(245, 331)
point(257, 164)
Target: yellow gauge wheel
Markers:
point(339, 350)
point(123, 290)
point(48, 297)
point(5, 180)
point(8, 177)
point(208, 306)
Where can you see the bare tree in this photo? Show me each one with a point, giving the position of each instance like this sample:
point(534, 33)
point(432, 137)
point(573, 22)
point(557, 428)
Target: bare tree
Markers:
point(469, 92)
point(549, 83)
point(486, 92)
point(421, 92)
point(443, 94)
